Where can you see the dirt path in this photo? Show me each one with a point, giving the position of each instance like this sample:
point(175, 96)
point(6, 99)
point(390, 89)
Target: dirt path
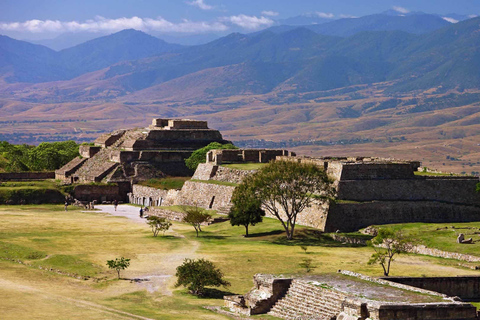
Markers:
point(160, 273)
point(130, 212)
point(109, 312)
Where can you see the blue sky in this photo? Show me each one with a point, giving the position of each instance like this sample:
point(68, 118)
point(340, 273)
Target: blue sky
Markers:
point(23, 17)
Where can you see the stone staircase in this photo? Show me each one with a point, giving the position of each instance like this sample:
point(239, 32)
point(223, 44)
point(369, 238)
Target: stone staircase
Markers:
point(97, 167)
point(308, 301)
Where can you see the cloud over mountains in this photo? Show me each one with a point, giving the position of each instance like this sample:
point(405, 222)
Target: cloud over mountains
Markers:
point(101, 24)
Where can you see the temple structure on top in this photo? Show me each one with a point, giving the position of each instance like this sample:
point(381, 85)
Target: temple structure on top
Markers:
point(142, 153)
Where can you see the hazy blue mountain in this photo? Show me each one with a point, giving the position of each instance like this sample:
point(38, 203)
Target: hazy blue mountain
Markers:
point(66, 40)
point(414, 23)
point(121, 46)
point(296, 58)
point(449, 57)
point(21, 61)
point(289, 50)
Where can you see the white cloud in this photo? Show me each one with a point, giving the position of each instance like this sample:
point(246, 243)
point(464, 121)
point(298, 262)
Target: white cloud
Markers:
point(325, 15)
point(451, 20)
point(249, 22)
point(101, 24)
point(270, 13)
point(472, 16)
point(401, 9)
point(201, 4)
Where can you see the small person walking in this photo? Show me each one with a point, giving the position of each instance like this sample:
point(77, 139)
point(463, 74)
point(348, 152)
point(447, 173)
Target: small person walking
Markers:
point(141, 212)
point(115, 204)
point(66, 205)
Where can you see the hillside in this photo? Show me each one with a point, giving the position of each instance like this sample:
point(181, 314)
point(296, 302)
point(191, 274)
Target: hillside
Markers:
point(388, 93)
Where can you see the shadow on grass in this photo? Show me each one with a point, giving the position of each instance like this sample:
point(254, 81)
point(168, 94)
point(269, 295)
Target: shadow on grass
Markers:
point(211, 293)
point(264, 234)
point(313, 238)
point(210, 236)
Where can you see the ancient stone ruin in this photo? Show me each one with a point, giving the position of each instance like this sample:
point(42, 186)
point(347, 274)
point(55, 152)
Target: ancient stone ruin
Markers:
point(352, 296)
point(129, 156)
point(369, 191)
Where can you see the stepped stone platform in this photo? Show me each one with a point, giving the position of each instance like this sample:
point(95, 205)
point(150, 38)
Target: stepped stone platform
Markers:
point(129, 156)
point(345, 295)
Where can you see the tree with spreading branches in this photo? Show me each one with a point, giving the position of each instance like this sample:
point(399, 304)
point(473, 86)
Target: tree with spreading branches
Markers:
point(118, 264)
point(195, 216)
point(158, 224)
point(387, 244)
point(286, 188)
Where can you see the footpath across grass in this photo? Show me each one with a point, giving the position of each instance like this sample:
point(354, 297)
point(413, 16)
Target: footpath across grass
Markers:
point(53, 245)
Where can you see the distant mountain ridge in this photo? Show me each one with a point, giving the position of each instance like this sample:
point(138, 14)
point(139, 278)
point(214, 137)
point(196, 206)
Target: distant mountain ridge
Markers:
point(293, 59)
point(25, 62)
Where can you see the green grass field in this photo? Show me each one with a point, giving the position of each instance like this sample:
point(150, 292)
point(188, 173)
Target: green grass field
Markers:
point(63, 272)
point(443, 236)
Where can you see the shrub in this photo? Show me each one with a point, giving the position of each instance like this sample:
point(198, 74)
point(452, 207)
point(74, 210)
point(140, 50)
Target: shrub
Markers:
point(197, 274)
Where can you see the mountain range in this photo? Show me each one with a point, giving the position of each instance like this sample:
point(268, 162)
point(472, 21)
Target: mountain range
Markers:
point(352, 82)
point(300, 59)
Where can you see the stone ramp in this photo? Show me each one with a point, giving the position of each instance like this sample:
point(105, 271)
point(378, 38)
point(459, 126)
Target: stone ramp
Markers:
point(308, 301)
point(71, 167)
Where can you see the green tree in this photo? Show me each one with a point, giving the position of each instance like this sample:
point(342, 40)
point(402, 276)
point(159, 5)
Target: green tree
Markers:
point(46, 156)
point(195, 216)
point(286, 188)
point(195, 275)
point(388, 244)
point(118, 264)
point(246, 210)
point(158, 224)
point(200, 155)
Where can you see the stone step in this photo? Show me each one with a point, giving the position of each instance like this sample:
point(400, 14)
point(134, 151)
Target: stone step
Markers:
point(308, 301)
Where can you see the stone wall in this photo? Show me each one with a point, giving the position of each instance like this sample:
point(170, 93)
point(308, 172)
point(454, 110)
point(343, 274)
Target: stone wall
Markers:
point(220, 156)
point(167, 214)
point(208, 171)
point(445, 311)
point(205, 195)
point(18, 176)
point(449, 190)
point(368, 171)
point(348, 217)
point(314, 216)
point(205, 171)
point(267, 291)
point(87, 151)
point(465, 287)
point(102, 193)
point(148, 196)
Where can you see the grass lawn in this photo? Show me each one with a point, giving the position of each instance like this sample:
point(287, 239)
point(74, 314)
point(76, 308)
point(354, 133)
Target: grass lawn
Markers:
point(442, 236)
point(245, 166)
point(74, 243)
